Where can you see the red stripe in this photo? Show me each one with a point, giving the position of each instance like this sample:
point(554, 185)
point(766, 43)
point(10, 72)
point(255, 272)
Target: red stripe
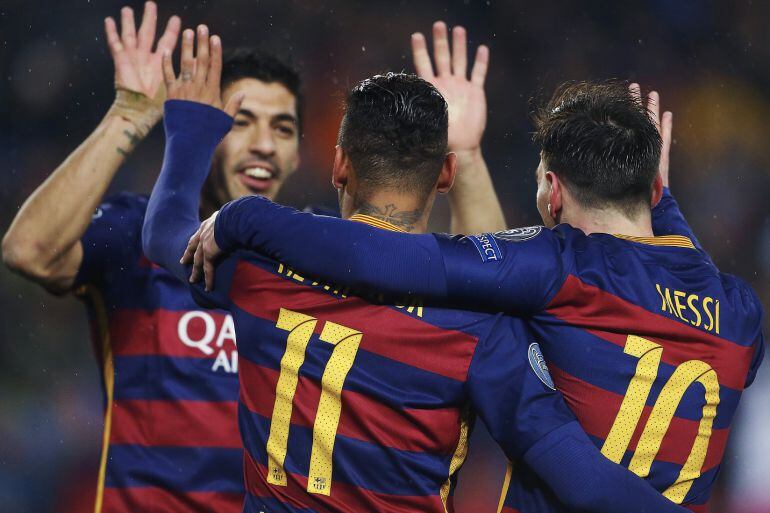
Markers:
point(508, 509)
point(597, 408)
point(698, 508)
point(388, 332)
point(187, 333)
point(612, 318)
point(432, 431)
point(133, 500)
point(175, 423)
point(343, 498)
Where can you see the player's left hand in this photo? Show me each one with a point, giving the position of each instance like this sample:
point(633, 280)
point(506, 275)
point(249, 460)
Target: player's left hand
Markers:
point(465, 97)
point(202, 252)
point(199, 75)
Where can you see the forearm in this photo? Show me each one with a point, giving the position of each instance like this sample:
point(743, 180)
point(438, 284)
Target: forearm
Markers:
point(473, 201)
point(584, 480)
point(343, 252)
point(192, 133)
point(50, 223)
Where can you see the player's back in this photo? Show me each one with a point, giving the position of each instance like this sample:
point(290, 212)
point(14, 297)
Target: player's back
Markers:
point(651, 347)
point(347, 405)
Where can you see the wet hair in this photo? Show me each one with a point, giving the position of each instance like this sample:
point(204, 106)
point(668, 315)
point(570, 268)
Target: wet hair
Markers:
point(395, 133)
point(240, 63)
point(600, 141)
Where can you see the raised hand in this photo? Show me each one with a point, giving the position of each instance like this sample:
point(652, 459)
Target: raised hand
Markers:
point(664, 124)
point(202, 252)
point(465, 97)
point(199, 75)
point(137, 67)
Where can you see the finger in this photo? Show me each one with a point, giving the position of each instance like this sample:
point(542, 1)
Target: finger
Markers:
point(653, 107)
point(234, 104)
point(421, 57)
point(170, 36)
point(208, 274)
point(441, 49)
point(480, 66)
point(127, 27)
point(202, 58)
point(215, 63)
point(187, 67)
point(168, 70)
point(636, 91)
point(189, 251)
point(113, 39)
point(459, 51)
point(147, 28)
point(197, 270)
point(666, 131)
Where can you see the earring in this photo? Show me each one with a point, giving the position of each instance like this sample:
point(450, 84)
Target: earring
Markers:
point(549, 209)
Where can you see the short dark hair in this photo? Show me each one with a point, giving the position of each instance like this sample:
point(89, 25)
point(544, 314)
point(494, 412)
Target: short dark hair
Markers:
point(600, 140)
point(395, 132)
point(240, 63)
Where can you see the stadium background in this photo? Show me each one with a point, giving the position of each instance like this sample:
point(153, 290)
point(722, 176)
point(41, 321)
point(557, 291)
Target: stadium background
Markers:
point(709, 59)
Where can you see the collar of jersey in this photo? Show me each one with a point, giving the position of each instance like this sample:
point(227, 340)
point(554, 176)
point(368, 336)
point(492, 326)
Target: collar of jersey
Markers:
point(678, 241)
point(377, 223)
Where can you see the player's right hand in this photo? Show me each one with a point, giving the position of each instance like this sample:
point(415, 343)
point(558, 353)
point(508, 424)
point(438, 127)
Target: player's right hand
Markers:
point(137, 67)
point(664, 124)
point(202, 252)
point(200, 73)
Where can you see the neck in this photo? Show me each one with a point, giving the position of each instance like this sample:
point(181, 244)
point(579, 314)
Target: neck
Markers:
point(401, 210)
point(609, 221)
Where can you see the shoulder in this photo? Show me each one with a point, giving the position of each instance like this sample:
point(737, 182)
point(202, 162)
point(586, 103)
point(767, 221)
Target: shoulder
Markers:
point(743, 297)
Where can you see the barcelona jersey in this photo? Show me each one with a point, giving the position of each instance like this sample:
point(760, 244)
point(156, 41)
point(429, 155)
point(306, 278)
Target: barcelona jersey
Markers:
point(169, 371)
point(348, 405)
point(649, 342)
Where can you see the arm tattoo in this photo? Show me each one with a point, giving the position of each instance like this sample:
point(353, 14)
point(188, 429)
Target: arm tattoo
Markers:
point(133, 140)
point(406, 219)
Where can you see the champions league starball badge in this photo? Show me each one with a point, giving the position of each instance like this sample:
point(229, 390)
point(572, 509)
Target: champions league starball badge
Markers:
point(519, 234)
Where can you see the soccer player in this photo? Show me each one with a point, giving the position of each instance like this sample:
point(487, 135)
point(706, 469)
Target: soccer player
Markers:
point(650, 344)
point(347, 405)
point(169, 369)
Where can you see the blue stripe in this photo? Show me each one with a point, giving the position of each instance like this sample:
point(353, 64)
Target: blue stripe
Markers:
point(254, 504)
point(358, 463)
point(167, 378)
point(175, 468)
point(388, 381)
point(603, 364)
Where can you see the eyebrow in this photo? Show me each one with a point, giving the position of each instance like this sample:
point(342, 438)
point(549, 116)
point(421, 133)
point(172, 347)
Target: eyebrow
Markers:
point(284, 116)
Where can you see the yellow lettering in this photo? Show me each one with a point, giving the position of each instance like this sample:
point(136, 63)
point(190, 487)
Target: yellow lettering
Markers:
point(707, 301)
point(717, 316)
point(690, 300)
point(662, 299)
point(679, 306)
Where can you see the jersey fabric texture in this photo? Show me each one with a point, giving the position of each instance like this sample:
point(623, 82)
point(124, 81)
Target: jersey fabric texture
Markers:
point(650, 344)
point(169, 372)
point(351, 406)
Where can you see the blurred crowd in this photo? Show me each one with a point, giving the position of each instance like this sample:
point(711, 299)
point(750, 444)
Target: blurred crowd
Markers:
point(710, 60)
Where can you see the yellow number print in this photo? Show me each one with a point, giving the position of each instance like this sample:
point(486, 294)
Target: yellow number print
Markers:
point(346, 342)
point(649, 354)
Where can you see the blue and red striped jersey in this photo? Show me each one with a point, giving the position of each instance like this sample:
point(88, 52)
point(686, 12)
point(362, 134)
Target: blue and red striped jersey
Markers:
point(648, 341)
point(169, 372)
point(349, 404)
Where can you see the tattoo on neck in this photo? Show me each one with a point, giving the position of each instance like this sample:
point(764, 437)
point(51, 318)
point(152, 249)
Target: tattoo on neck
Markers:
point(406, 219)
point(133, 140)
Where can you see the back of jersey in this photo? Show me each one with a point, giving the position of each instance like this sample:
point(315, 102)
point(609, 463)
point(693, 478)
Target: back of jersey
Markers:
point(651, 347)
point(346, 405)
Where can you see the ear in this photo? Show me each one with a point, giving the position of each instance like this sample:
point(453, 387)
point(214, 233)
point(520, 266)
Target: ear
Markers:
point(447, 175)
point(555, 195)
point(340, 169)
point(657, 190)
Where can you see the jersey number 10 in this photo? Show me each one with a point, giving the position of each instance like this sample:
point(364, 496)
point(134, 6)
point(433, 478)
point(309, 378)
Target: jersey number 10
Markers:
point(649, 354)
point(345, 341)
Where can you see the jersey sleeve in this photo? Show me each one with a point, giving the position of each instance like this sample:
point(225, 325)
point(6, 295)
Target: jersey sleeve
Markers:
point(759, 339)
point(511, 389)
point(667, 219)
point(113, 239)
point(514, 275)
point(219, 296)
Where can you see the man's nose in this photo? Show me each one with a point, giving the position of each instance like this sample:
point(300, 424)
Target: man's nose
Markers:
point(262, 142)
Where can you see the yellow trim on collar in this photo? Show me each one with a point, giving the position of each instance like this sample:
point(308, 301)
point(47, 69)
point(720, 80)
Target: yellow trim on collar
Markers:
point(679, 241)
point(377, 223)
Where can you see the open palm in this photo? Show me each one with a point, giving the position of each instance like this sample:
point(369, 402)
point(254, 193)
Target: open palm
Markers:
point(465, 97)
point(137, 67)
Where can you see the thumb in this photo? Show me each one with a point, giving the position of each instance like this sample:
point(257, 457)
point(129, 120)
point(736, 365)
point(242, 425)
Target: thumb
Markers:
point(233, 104)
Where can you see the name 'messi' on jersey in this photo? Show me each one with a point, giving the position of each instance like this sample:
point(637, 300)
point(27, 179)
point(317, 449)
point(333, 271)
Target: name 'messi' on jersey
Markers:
point(701, 312)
